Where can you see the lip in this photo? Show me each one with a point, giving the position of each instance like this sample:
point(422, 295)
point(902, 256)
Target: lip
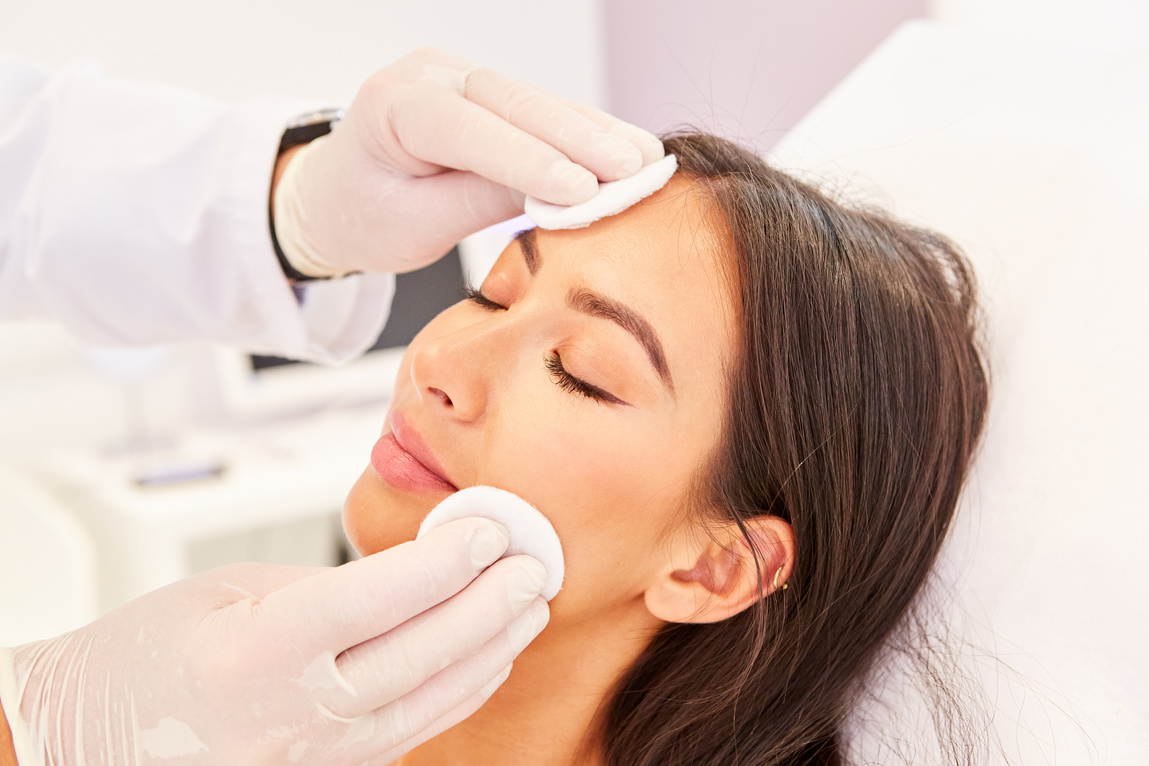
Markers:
point(404, 460)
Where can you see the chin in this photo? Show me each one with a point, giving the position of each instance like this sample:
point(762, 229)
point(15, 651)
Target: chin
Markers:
point(377, 517)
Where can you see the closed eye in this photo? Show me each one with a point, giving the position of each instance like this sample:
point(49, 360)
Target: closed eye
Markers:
point(476, 297)
point(553, 362)
point(571, 384)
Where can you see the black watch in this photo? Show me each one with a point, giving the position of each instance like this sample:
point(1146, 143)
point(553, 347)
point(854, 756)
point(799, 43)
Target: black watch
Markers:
point(302, 130)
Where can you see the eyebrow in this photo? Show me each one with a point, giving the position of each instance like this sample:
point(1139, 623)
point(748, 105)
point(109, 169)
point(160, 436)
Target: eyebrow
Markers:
point(530, 248)
point(595, 305)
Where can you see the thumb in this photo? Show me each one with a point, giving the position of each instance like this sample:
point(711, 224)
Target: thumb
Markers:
point(445, 208)
point(250, 580)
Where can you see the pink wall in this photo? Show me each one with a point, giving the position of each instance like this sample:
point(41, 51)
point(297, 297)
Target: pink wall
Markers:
point(745, 69)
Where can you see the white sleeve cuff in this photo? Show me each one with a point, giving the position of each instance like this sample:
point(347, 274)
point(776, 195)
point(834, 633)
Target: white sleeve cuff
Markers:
point(137, 214)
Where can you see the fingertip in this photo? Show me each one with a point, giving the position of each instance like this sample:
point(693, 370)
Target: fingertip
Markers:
point(487, 541)
point(535, 568)
point(526, 578)
point(526, 627)
point(625, 157)
point(647, 144)
point(541, 609)
point(652, 150)
point(573, 184)
point(630, 161)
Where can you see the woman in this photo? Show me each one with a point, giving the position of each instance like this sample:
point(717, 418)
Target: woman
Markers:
point(748, 412)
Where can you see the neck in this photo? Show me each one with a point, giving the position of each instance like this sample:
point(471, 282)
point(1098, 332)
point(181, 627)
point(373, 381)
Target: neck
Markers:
point(545, 712)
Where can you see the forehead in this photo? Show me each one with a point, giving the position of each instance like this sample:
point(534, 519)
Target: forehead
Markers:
point(668, 258)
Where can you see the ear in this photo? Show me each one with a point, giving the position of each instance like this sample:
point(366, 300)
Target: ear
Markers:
point(710, 573)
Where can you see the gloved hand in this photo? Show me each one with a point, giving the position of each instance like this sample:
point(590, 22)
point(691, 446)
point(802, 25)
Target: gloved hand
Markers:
point(262, 664)
point(433, 149)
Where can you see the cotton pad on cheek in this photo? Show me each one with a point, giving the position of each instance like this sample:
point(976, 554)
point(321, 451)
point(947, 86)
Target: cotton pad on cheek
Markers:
point(612, 198)
point(531, 532)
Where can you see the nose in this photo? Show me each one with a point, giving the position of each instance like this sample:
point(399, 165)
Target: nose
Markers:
point(451, 373)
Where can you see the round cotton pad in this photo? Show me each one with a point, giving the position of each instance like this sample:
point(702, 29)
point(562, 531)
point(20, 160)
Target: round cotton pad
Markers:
point(530, 531)
point(612, 198)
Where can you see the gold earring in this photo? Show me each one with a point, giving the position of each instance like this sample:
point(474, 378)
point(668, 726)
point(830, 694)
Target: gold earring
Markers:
point(778, 574)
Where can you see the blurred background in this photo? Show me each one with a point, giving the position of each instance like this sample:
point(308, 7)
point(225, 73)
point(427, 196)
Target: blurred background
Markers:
point(136, 467)
point(164, 461)
point(206, 457)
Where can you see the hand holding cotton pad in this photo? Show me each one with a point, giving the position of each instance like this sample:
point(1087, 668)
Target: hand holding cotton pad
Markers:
point(531, 532)
point(612, 198)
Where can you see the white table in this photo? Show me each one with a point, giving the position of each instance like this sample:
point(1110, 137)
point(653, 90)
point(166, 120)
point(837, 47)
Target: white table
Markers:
point(277, 499)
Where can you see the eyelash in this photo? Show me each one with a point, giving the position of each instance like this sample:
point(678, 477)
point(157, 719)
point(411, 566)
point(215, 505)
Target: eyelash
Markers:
point(480, 300)
point(553, 363)
point(573, 385)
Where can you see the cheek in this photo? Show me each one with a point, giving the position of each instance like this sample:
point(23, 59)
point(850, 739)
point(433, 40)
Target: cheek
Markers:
point(375, 516)
point(613, 495)
point(375, 519)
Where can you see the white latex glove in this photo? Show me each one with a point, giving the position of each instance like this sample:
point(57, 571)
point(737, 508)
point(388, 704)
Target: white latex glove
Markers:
point(433, 149)
point(263, 664)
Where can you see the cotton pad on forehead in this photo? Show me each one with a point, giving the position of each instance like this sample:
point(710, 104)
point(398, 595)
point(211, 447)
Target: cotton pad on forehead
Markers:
point(612, 198)
point(531, 532)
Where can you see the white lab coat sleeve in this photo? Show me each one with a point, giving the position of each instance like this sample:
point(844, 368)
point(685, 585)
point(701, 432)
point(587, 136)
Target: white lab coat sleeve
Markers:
point(137, 214)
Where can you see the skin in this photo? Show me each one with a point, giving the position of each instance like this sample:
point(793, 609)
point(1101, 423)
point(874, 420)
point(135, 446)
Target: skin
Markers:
point(7, 749)
point(614, 478)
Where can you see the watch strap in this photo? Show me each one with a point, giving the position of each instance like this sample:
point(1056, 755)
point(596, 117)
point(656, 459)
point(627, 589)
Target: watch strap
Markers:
point(302, 130)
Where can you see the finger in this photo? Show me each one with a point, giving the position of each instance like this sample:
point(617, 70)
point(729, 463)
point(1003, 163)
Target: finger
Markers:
point(415, 712)
point(647, 143)
point(389, 666)
point(463, 203)
point(250, 580)
point(608, 156)
point(437, 125)
point(345, 606)
point(427, 57)
point(455, 716)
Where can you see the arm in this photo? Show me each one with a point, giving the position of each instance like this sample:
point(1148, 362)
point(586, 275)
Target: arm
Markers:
point(7, 749)
point(137, 214)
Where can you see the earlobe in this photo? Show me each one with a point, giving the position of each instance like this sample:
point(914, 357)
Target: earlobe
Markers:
point(710, 576)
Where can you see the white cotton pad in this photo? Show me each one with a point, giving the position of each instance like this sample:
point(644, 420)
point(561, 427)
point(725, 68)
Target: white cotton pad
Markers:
point(612, 198)
point(530, 531)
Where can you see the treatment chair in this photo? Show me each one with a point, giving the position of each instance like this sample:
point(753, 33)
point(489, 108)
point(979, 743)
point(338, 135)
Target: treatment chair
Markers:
point(1035, 159)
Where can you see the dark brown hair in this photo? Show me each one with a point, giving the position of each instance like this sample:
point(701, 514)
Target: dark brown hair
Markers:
point(857, 396)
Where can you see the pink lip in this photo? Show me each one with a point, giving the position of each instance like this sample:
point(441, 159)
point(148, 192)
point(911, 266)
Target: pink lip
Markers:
point(405, 462)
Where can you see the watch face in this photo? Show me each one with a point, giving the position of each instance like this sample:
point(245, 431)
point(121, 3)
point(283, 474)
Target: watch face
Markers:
point(307, 127)
point(321, 116)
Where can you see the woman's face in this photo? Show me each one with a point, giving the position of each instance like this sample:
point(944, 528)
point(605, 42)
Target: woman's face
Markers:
point(588, 379)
